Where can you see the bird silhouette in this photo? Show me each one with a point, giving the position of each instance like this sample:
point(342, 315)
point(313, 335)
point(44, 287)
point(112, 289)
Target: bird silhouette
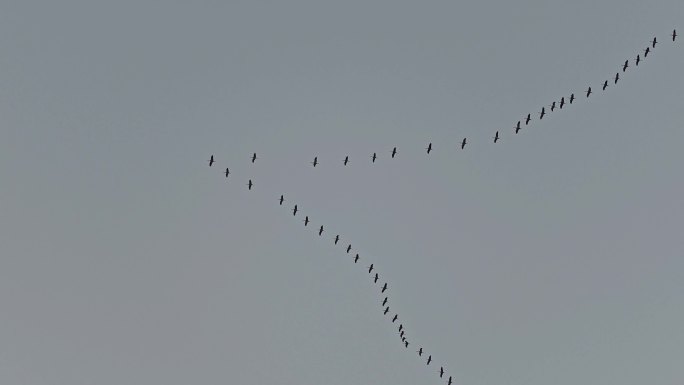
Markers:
point(406, 344)
point(654, 42)
point(638, 59)
point(282, 199)
point(527, 120)
point(374, 157)
point(496, 137)
point(553, 106)
point(384, 288)
point(542, 113)
point(227, 172)
point(562, 102)
point(375, 280)
point(346, 160)
point(449, 383)
point(517, 127)
point(306, 220)
point(401, 333)
point(429, 359)
point(320, 231)
point(605, 85)
point(463, 143)
point(356, 258)
point(441, 371)
point(394, 152)
point(294, 210)
point(348, 249)
point(211, 160)
point(254, 157)
point(384, 301)
point(420, 352)
point(337, 238)
point(588, 91)
point(646, 51)
point(617, 77)
point(572, 98)
point(429, 147)
point(386, 310)
point(315, 162)
point(249, 185)
point(370, 268)
point(401, 327)
point(396, 316)
point(674, 34)
point(624, 66)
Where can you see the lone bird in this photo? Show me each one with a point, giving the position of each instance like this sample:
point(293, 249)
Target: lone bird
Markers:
point(348, 248)
point(384, 288)
point(562, 102)
point(496, 137)
point(346, 160)
point(356, 258)
point(211, 160)
point(624, 66)
point(449, 383)
point(315, 162)
point(395, 317)
point(254, 157)
point(306, 220)
point(542, 113)
point(605, 85)
point(463, 143)
point(429, 359)
point(337, 238)
point(370, 268)
point(429, 147)
point(517, 127)
point(553, 105)
point(588, 91)
point(617, 77)
point(384, 301)
point(282, 199)
point(294, 211)
point(386, 311)
point(674, 34)
point(249, 185)
point(654, 42)
point(394, 152)
point(374, 157)
point(320, 231)
point(441, 371)
point(227, 172)
point(376, 278)
point(420, 352)
point(638, 59)
point(572, 98)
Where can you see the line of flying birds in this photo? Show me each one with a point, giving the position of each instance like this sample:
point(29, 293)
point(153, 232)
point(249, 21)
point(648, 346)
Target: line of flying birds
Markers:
point(372, 271)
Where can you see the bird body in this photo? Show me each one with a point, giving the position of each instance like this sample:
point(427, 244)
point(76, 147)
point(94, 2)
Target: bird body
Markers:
point(320, 231)
point(337, 238)
point(294, 210)
point(429, 147)
point(605, 85)
point(374, 157)
point(588, 91)
point(646, 51)
point(348, 249)
point(356, 258)
point(395, 317)
point(375, 280)
point(386, 310)
point(562, 102)
point(496, 137)
point(370, 268)
point(384, 301)
point(384, 288)
point(624, 66)
point(211, 160)
point(282, 199)
point(572, 98)
point(463, 143)
point(517, 127)
point(617, 77)
point(638, 59)
point(394, 152)
point(249, 185)
point(542, 113)
point(654, 42)
point(420, 352)
point(346, 160)
point(254, 157)
point(429, 359)
point(306, 220)
point(441, 371)
point(553, 106)
point(674, 34)
point(227, 172)
point(527, 120)
point(315, 162)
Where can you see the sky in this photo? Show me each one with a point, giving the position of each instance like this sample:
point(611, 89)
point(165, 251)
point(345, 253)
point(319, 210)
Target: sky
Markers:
point(552, 256)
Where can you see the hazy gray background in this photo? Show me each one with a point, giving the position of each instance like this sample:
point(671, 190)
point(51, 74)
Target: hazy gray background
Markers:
point(552, 257)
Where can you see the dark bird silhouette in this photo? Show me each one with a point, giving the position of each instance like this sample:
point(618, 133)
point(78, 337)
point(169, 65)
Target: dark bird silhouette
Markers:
point(624, 66)
point(654, 42)
point(254, 157)
point(429, 359)
point(249, 185)
point(429, 147)
point(553, 106)
point(617, 77)
point(605, 85)
point(320, 231)
point(496, 137)
point(315, 162)
point(403, 339)
point(646, 51)
point(401, 334)
point(384, 288)
point(370, 268)
point(542, 113)
point(441, 371)
point(282, 199)
point(375, 280)
point(588, 91)
point(396, 316)
point(449, 383)
point(306, 220)
point(638, 59)
point(674, 34)
point(211, 160)
point(406, 343)
point(227, 172)
point(401, 327)
point(356, 258)
point(384, 301)
point(337, 238)
point(562, 102)
point(463, 143)
point(386, 310)
point(527, 119)
point(374, 157)
point(420, 352)
point(294, 210)
point(346, 160)
point(517, 127)
point(572, 98)
point(394, 152)
point(348, 248)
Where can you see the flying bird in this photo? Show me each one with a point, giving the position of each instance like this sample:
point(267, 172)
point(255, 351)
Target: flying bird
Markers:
point(406, 343)
point(320, 231)
point(441, 371)
point(420, 352)
point(527, 120)
point(386, 311)
point(346, 160)
point(384, 288)
point(617, 77)
point(356, 259)
point(401, 327)
point(401, 334)
point(463, 143)
point(254, 157)
point(553, 105)
point(429, 147)
point(337, 238)
point(395, 317)
point(211, 160)
point(227, 172)
point(588, 91)
point(646, 51)
point(562, 102)
point(374, 157)
point(542, 113)
point(572, 98)
point(517, 127)
point(249, 185)
point(449, 383)
point(394, 152)
point(384, 301)
point(306, 220)
point(315, 162)
point(496, 137)
point(348, 248)
point(429, 359)
point(674, 34)
point(282, 199)
point(605, 85)
point(654, 42)
point(624, 66)
point(376, 278)
point(370, 268)
point(638, 59)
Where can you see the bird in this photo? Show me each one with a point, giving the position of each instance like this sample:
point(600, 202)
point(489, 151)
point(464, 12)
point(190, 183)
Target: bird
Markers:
point(527, 120)
point(605, 85)
point(624, 66)
point(588, 91)
point(376, 278)
point(386, 310)
point(315, 162)
point(370, 268)
point(306, 220)
point(429, 147)
point(496, 137)
point(617, 77)
point(356, 258)
point(282, 199)
point(254, 157)
point(346, 160)
point(517, 127)
point(449, 383)
point(249, 185)
point(401, 333)
point(395, 317)
point(463, 143)
point(401, 327)
point(674, 34)
point(384, 288)
point(429, 359)
point(374, 157)
point(654, 42)
point(403, 339)
point(320, 231)
point(562, 102)
point(394, 152)
point(420, 352)
point(406, 343)
point(348, 248)
point(572, 98)
point(384, 301)
point(294, 211)
point(337, 238)
point(542, 113)
point(646, 51)
point(638, 59)
point(211, 160)
point(441, 371)
point(227, 172)
point(552, 105)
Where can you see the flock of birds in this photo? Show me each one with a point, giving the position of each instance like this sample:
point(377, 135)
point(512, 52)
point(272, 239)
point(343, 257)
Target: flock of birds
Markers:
point(372, 271)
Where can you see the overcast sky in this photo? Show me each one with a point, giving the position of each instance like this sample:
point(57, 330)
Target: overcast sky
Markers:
point(551, 257)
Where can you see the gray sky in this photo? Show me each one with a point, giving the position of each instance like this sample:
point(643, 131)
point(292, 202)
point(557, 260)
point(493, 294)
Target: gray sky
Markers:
point(554, 256)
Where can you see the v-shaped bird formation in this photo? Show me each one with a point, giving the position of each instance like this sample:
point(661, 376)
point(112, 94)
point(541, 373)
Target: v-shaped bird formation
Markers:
point(383, 288)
